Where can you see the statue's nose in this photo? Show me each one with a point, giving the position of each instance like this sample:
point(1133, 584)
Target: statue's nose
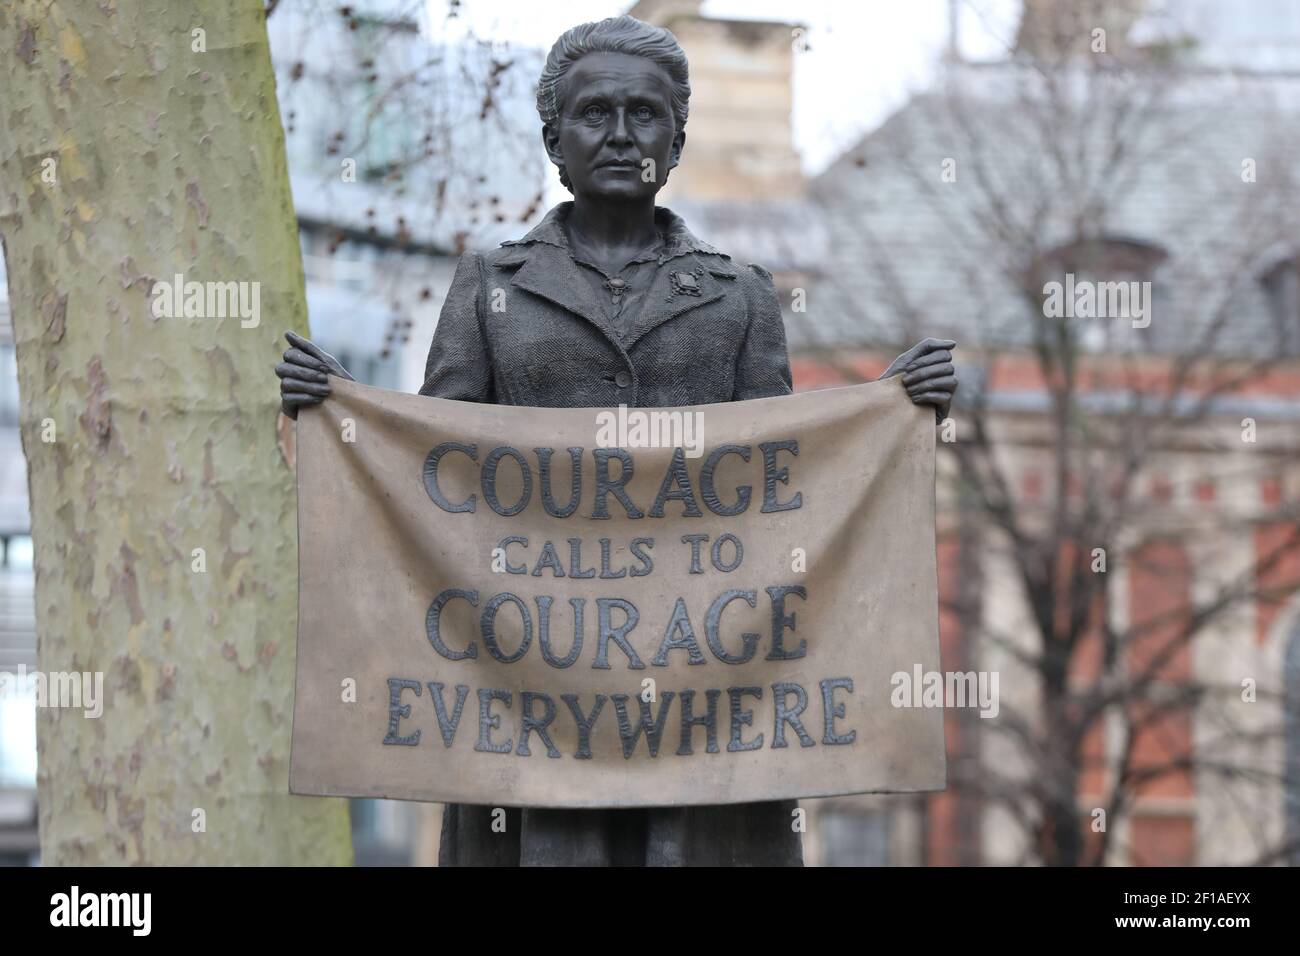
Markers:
point(619, 132)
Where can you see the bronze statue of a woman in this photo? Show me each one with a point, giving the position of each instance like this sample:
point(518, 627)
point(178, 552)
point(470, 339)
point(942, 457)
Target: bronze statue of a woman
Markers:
point(610, 301)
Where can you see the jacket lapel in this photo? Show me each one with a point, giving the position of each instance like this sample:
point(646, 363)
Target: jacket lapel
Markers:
point(551, 273)
point(662, 304)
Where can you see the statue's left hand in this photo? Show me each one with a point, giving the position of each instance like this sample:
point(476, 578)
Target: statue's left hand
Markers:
point(928, 374)
point(304, 374)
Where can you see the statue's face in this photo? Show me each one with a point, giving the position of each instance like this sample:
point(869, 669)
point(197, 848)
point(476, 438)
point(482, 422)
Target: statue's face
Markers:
point(617, 114)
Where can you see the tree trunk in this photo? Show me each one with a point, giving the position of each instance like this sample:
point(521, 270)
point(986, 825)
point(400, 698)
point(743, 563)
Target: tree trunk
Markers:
point(148, 438)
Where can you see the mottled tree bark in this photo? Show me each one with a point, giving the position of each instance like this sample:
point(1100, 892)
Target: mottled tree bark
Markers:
point(165, 159)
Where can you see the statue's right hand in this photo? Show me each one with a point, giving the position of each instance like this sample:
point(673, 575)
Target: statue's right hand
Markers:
point(304, 374)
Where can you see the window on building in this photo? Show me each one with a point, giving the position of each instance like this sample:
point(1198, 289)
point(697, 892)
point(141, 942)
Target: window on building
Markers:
point(855, 837)
point(384, 832)
point(18, 703)
point(1282, 289)
point(16, 553)
point(380, 124)
point(1107, 292)
point(8, 385)
point(346, 286)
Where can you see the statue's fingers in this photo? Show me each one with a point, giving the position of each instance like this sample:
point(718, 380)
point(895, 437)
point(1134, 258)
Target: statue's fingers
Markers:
point(310, 347)
point(938, 370)
point(299, 341)
point(299, 357)
point(930, 358)
point(297, 385)
point(946, 385)
point(937, 399)
point(298, 399)
point(290, 370)
point(910, 354)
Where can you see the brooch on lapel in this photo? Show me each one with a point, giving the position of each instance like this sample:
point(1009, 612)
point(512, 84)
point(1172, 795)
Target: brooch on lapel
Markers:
point(685, 283)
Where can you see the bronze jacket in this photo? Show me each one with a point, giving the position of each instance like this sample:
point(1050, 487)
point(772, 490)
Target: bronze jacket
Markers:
point(522, 326)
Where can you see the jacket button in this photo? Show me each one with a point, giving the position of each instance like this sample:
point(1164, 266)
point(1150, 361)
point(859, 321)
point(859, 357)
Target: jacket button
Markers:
point(622, 379)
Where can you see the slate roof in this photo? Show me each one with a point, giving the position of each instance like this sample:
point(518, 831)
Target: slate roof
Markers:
point(908, 256)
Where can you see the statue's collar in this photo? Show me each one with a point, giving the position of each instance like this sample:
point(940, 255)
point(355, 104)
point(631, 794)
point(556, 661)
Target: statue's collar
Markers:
point(679, 240)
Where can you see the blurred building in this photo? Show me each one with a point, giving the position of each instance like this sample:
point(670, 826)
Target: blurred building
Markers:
point(1221, 250)
point(403, 152)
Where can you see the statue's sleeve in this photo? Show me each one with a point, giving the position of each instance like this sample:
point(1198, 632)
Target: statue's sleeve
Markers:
point(763, 365)
point(459, 366)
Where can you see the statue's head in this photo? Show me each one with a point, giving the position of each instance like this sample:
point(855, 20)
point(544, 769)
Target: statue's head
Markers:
point(613, 98)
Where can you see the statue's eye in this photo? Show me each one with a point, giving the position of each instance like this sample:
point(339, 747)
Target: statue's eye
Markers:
point(644, 113)
point(593, 112)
